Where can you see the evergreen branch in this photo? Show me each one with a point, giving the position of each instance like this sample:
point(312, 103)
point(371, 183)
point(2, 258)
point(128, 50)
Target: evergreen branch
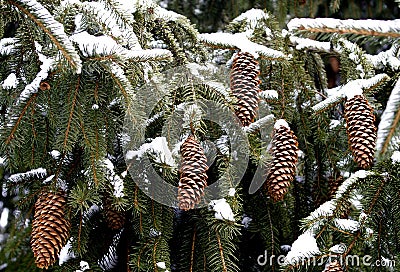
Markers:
point(39, 173)
point(21, 115)
point(338, 94)
point(71, 113)
point(357, 27)
point(123, 83)
point(43, 19)
point(389, 120)
point(386, 58)
point(120, 27)
point(192, 250)
point(364, 219)
point(7, 46)
point(242, 42)
point(221, 251)
point(260, 123)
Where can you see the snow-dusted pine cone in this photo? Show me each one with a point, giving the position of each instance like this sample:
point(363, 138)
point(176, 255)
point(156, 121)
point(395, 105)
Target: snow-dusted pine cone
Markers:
point(193, 177)
point(361, 130)
point(50, 228)
point(334, 184)
point(334, 267)
point(115, 219)
point(245, 86)
point(283, 166)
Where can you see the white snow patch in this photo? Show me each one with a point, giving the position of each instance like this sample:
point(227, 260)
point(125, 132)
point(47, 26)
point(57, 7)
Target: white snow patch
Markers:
point(223, 210)
point(231, 192)
point(251, 17)
point(305, 43)
point(95, 107)
point(55, 154)
point(339, 248)
point(281, 122)
point(395, 156)
point(4, 218)
point(159, 147)
point(161, 265)
point(10, 82)
point(333, 124)
point(304, 247)
point(242, 42)
point(351, 92)
point(114, 178)
point(268, 94)
point(19, 177)
point(7, 45)
point(65, 253)
point(347, 224)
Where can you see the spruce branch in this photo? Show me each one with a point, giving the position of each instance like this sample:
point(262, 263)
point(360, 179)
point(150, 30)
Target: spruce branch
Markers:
point(389, 120)
point(44, 20)
point(14, 126)
point(336, 95)
point(242, 42)
point(71, 114)
point(358, 27)
point(221, 251)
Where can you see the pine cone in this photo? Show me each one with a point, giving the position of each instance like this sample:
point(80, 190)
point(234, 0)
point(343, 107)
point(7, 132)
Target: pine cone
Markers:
point(334, 267)
point(284, 162)
point(245, 86)
point(50, 228)
point(361, 130)
point(115, 219)
point(334, 185)
point(193, 178)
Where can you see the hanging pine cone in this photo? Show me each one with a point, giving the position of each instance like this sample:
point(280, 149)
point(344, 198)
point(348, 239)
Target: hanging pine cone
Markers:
point(50, 229)
point(115, 219)
point(283, 166)
point(334, 184)
point(334, 267)
point(245, 86)
point(361, 130)
point(193, 177)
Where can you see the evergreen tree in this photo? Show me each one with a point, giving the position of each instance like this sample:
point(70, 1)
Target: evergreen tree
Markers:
point(290, 161)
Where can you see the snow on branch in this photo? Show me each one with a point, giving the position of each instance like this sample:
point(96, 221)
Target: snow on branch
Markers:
point(7, 46)
point(390, 28)
point(55, 30)
point(315, 219)
point(38, 173)
point(123, 82)
point(268, 94)
point(115, 180)
point(240, 41)
point(119, 28)
point(304, 247)
point(252, 16)
point(306, 43)
point(33, 87)
point(266, 120)
point(91, 45)
point(337, 94)
point(223, 210)
point(389, 120)
point(386, 58)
